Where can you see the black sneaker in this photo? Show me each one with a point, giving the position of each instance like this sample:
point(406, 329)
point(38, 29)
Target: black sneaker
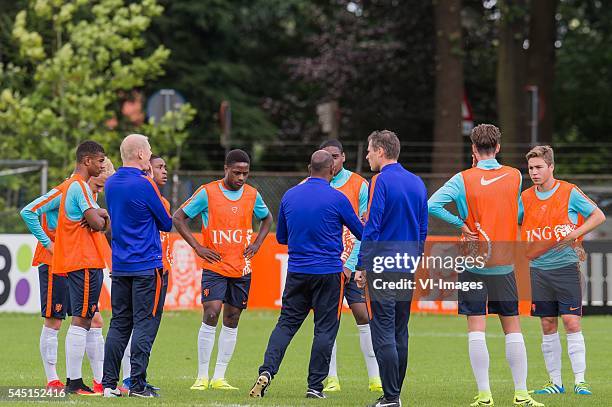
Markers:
point(383, 402)
point(314, 394)
point(145, 393)
point(77, 386)
point(261, 384)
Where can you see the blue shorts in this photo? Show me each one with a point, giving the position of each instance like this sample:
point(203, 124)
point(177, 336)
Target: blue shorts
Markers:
point(556, 292)
point(497, 296)
point(230, 290)
point(53, 297)
point(84, 287)
point(352, 293)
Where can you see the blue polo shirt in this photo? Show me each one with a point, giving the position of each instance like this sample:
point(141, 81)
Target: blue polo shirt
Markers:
point(397, 214)
point(310, 220)
point(137, 216)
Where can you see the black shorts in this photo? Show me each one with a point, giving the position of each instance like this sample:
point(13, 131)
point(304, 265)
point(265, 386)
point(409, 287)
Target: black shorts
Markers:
point(352, 293)
point(53, 293)
point(230, 290)
point(556, 292)
point(84, 287)
point(497, 296)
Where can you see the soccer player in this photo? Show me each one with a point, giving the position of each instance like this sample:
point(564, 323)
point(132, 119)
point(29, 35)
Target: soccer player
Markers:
point(487, 198)
point(159, 173)
point(227, 207)
point(40, 217)
point(76, 252)
point(555, 216)
point(396, 216)
point(312, 229)
point(138, 213)
point(355, 188)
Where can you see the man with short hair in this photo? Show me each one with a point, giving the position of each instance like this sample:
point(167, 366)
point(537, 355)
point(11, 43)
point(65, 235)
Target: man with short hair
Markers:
point(312, 230)
point(487, 198)
point(396, 218)
point(159, 174)
point(227, 207)
point(554, 218)
point(42, 216)
point(355, 188)
point(139, 215)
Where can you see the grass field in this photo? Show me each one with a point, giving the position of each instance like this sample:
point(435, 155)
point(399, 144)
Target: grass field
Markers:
point(439, 373)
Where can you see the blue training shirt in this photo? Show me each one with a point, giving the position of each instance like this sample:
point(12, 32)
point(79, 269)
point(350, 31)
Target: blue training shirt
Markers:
point(137, 216)
point(397, 211)
point(310, 220)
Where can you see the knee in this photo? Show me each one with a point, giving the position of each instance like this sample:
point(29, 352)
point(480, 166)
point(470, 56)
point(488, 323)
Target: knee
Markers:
point(549, 325)
point(572, 325)
point(97, 321)
point(81, 322)
point(231, 320)
point(53, 323)
point(211, 316)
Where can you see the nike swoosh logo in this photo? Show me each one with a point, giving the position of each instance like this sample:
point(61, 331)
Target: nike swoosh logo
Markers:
point(486, 182)
point(574, 309)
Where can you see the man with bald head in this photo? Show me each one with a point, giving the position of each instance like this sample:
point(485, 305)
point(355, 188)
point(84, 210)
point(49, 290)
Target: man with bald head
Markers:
point(139, 215)
point(312, 230)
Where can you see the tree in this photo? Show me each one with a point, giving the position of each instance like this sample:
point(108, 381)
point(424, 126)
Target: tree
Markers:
point(76, 61)
point(447, 154)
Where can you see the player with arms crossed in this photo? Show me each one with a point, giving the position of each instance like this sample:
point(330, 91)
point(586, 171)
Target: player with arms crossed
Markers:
point(487, 198)
point(355, 188)
point(227, 207)
point(554, 218)
point(41, 217)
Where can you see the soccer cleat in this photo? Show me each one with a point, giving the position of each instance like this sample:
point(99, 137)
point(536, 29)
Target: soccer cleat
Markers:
point(314, 394)
point(108, 392)
point(333, 384)
point(483, 398)
point(55, 384)
point(550, 388)
point(201, 383)
point(145, 393)
point(383, 402)
point(77, 386)
point(523, 399)
point(98, 388)
point(261, 384)
point(221, 384)
point(583, 389)
point(375, 385)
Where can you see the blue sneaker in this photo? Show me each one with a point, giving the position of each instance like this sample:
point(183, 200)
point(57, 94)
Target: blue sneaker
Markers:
point(550, 388)
point(583, 389)
point(127, 382)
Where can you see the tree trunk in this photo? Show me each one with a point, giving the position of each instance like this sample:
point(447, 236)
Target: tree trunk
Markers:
point(511, 95)
point(447, 155)
point(541, 62)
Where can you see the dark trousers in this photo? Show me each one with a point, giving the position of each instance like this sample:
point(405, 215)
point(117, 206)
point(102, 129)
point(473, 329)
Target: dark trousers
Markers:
point(389, 328)
point(322, 293)
point(134, 302)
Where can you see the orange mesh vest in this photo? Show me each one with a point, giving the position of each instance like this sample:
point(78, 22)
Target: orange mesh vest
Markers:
point(492, 201)
point(350, 189)
point(546, 222)
point(229, 230)
point(165, 241)
point(75, 247)
point(42, 255)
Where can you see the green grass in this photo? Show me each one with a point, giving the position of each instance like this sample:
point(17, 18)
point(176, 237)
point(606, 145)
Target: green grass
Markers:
point(439, 372)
